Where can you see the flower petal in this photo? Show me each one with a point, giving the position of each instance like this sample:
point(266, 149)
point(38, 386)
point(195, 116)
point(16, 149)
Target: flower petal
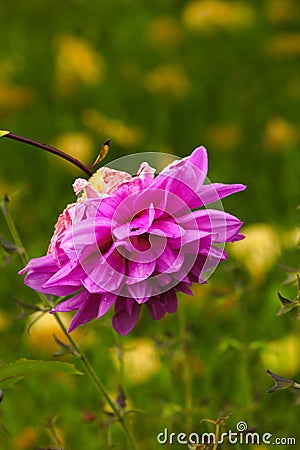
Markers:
point(184, 178)
point(158, 306)
point(39, 271)
point(104, 273)
point(107, 300)
point(167, 228)
point(138, 271)
point(126, 315)
point(170, 260)
point(222, 226)
point(87, 311)
point(141, 291)
point(72, 303)
point(213, 192)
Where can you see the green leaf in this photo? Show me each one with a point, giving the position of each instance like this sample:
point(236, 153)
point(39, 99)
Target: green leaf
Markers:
point(13, 372)
point(4, 133)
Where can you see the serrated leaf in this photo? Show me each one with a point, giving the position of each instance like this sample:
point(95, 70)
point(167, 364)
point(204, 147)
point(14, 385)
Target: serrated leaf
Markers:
point(4, 133)
point(13, 372)
point(281, 383)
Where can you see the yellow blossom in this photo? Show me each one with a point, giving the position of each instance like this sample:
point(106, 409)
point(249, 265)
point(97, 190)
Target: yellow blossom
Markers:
point(124, 135)
point(14, 97)
point(279, 11)
point(279, 133)
point(164, 32)
point(224, 136)
point(290, 238)
point(41, 333)
point(208, 15)
point(284, 45)
point(27, 439)
point(5, 321)
point(259, 251)
point(281, 356)
point(79, 145)
point(76, 61)
point(141, 360)
point(167, 79)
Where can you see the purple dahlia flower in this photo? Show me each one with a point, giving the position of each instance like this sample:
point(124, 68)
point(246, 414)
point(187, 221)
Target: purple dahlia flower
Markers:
point(133, 240)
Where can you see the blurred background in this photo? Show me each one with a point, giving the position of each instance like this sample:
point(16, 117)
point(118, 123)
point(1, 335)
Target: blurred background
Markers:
point(167, 77)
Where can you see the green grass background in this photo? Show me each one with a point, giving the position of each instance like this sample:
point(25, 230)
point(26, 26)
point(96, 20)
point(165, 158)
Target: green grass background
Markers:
point(232, 76)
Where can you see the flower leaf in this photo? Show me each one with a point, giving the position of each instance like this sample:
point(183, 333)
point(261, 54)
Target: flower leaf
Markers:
point(13, 372)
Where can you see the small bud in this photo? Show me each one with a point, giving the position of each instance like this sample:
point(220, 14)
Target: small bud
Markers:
point(121, 399)
point(4, 202)
point(8, 247)
point(103, 152)
point(4, 133)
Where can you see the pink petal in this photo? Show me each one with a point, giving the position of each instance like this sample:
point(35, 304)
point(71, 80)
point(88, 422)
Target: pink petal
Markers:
point(72, 303)
point(126, 315)
point(222, 226)
point(87, 311)
point(112, 178)
point(210, 193)
point(138, 271)
point(107, 300)
point(104, 273)
point(166, 228)
point(140, 291)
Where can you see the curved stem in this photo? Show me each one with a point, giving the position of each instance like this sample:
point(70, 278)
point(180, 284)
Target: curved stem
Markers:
point(186, 371)
point(89, 370)
point(53, 150)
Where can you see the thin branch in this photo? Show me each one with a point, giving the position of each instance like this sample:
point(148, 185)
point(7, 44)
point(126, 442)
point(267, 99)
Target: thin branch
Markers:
point(53, 150)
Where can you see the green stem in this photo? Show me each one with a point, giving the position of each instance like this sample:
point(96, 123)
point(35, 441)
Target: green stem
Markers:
point(120, 357)
point(89, 370)
point(186, 372)
point(13, 231)
point(54, 437)
point(217, 435)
